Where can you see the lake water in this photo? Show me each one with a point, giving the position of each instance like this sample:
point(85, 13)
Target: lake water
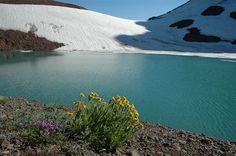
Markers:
point(189, 93)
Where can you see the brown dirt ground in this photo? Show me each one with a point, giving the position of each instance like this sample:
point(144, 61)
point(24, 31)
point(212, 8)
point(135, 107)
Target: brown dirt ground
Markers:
point(41, 2)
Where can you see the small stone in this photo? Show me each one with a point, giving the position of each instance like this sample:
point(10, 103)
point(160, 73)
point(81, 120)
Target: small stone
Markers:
point(102, 150)
point(10, 146)
point(191, 140)
point(160, 154)
point(233, 149)
point(5, 144)
point(3, 116)
point(182, 142)
point(6, 152)
point(2, 139)
point(16, 153)
point(167, 155)
point(220, 152)
point(184, 151)
point(156, 138)
point(10, 117)
point(177, 147)
point(134, 152)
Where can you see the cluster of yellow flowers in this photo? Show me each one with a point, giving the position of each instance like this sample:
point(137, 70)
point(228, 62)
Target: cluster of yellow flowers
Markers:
point(123, 102)
point(80, 105)
point(118, 101)
point(70, 113)
point(93, 96)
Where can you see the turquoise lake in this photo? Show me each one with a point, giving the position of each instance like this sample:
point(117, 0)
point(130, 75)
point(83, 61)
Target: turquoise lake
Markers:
point(190, 93)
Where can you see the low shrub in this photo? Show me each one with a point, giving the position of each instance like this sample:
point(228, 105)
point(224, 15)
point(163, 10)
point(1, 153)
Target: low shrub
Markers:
point(105, 124)
point(44, 132)
point(3, 100)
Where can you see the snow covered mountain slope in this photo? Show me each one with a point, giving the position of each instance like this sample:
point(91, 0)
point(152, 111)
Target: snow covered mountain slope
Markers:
point(78, 29)
point(197, 26)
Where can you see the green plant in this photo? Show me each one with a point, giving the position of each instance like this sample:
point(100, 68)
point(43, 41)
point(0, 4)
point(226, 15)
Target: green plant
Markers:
point(44, 132)
point(106, 124)
point(3, 100)
point(24, 117)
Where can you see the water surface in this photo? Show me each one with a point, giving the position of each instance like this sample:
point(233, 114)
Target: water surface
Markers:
point(189, 93)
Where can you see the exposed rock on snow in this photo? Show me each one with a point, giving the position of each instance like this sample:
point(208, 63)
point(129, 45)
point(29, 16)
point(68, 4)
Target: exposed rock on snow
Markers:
point(233, 15)
point(194, 35)
point(219, 30)
point(234, 42)
point(16, 40)
point(213, 11)
point(182, 23)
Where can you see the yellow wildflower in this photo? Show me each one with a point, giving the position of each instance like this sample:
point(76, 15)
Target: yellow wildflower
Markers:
point(100, 100)
point(132, 107)
point(137, 120)
point(120, 103)
point(94, 94)
point(142, 126)
point(70, 113)
point(136, 112)
point(82, 94)
point(81, 105)
point(90, 97)
point(132, 114)
point(126, 102)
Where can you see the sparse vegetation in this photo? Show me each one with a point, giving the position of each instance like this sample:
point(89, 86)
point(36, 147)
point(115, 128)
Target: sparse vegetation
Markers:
point(94, 127)
point(3, 100)
point(106, 124)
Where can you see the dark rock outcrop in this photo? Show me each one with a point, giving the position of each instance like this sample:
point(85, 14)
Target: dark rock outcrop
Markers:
point(41, 2)
point(194, 35)
point(182, 23)
point(233, 15)
point(11, 40)
point(234, 42)
point(213, 11)
point(154, 18)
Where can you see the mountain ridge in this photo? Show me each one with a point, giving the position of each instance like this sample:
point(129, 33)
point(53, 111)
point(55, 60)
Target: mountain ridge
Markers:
point(42, 2)
point(184, 30)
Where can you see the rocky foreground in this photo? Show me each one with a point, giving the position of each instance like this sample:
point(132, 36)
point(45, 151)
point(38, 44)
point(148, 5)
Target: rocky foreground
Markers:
point(152, 140)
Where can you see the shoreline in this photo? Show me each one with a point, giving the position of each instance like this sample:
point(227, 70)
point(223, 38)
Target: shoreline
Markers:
point(224, 56)
point(154, 139)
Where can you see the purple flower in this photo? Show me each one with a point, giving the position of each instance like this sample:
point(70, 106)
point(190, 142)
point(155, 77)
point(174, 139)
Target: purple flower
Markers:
point(48, 127)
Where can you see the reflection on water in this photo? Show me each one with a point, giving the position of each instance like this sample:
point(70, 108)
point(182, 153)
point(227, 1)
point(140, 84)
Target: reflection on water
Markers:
point(190, 93)
point(25, 56)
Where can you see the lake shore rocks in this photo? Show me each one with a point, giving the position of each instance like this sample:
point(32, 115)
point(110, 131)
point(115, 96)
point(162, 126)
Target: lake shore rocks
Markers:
point(153, 140)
